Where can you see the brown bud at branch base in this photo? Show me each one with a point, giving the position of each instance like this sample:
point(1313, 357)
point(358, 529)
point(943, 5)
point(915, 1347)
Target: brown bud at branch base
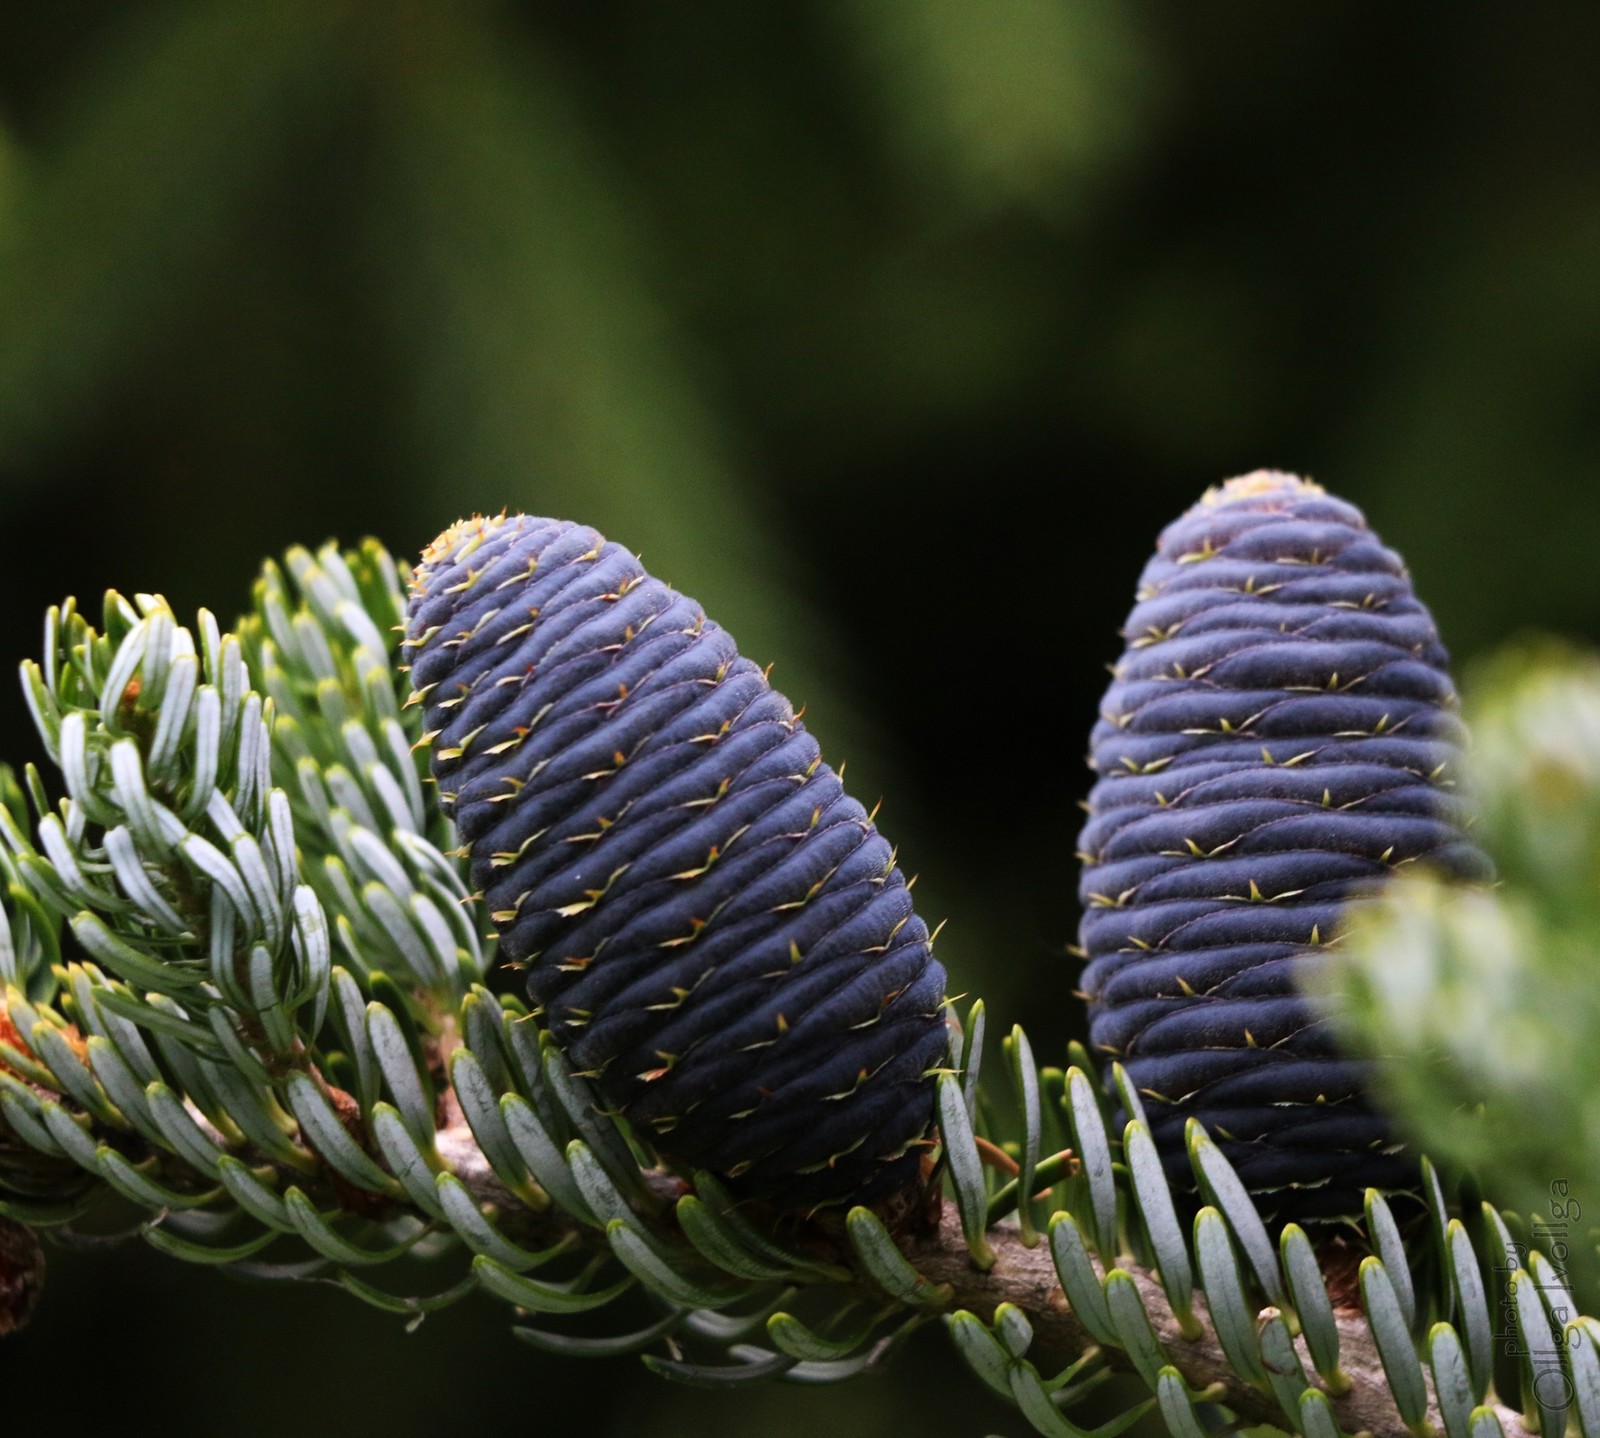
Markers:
point(21, 1275)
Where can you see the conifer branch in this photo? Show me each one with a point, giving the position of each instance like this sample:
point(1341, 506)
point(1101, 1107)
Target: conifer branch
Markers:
point(1025, 1278)
point(273, 1040)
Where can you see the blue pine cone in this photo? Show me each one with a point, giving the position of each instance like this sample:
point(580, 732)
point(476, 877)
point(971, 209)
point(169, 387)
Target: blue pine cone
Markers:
point(1279, 737)
point(713, 930)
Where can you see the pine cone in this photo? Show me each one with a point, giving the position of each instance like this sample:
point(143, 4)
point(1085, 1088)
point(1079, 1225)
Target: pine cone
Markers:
point(715, 933)
point(1280, 736)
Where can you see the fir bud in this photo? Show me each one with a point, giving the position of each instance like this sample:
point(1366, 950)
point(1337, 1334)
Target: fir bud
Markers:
point(714, 932)
point(1280, 736)
point(21, 1275)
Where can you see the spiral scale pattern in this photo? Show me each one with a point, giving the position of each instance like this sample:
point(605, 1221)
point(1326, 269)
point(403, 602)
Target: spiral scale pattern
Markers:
point(1279, 737)
point(713, 930)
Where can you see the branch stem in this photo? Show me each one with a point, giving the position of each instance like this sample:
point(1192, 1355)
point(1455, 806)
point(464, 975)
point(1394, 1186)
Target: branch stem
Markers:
point(1026, 1277)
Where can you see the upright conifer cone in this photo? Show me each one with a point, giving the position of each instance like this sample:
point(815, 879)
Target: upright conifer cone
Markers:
point(713, 930)
point(1279, 737)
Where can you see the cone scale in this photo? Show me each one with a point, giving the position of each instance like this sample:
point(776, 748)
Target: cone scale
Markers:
point(712, 929)
point(1279, 737)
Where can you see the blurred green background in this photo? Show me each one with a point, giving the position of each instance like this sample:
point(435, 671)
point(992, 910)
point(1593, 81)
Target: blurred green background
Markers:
point(892, 331)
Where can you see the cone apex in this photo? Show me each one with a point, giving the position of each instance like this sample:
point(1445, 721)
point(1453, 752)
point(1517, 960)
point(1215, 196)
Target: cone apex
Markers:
point(1260, 484)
